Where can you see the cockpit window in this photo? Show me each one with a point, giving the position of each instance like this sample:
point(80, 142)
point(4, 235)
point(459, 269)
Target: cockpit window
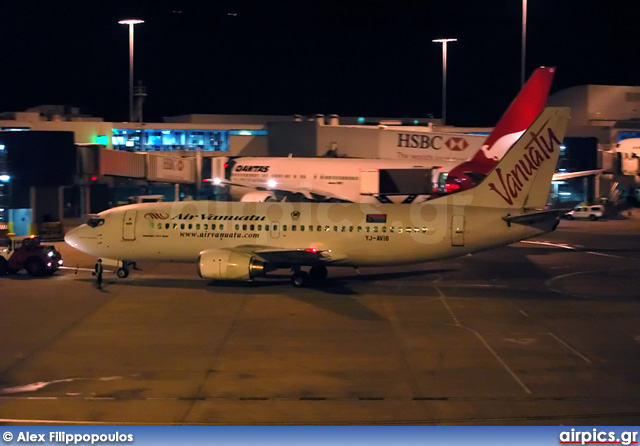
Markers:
point(95, 222)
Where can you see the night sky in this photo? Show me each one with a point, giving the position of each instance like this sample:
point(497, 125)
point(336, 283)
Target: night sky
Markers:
point(353, 58)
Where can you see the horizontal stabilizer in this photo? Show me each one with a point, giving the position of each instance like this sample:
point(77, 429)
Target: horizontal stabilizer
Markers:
point(568, 175)
point(542, 219)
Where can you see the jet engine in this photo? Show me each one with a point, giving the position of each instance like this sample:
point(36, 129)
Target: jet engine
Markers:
point(228, 265)
point(258, 197)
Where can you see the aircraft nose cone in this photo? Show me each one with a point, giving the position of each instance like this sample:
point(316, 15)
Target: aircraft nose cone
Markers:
point(71, 237)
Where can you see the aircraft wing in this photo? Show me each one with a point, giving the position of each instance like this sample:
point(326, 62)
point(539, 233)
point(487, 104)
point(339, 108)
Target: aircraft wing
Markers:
point(567, 175)
point(309, 194)
point(220, 182)
point(281, 256)
point(295, 256)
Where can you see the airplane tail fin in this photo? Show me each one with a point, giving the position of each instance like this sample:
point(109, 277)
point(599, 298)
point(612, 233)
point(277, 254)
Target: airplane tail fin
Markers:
point(524, 109)
point(523, 176)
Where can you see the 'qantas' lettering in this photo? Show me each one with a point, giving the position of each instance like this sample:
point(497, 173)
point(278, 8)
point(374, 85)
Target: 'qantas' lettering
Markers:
point(536, 152)
point(241, 168)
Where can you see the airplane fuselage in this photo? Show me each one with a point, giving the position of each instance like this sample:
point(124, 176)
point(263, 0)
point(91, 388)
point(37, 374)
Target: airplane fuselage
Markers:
point(347, 234)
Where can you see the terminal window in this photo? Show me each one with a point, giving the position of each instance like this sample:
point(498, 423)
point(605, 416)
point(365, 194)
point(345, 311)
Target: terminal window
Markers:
point(149, 140)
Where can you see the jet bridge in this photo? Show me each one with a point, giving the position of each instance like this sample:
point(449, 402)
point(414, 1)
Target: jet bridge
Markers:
point(393, 182)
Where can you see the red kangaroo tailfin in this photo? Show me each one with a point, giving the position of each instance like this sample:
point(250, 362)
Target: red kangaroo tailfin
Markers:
point(524, 109)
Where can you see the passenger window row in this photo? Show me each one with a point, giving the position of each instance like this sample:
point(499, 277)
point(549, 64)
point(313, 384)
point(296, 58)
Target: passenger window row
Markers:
point(382, 229)
point(293, 228)
point(197, 226)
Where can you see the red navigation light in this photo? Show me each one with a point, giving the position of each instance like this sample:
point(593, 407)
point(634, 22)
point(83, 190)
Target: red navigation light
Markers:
point(311, 249)
point(451, 187)
point(226, 165)
point(94, 177)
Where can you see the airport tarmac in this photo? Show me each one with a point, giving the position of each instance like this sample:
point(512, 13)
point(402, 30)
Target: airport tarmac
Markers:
point(543, 332)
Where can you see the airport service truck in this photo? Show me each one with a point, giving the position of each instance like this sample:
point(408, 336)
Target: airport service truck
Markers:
point(28, 253)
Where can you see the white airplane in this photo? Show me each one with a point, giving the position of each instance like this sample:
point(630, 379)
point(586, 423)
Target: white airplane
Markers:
point(272, 179)
point(255, 179)
point(240, 241)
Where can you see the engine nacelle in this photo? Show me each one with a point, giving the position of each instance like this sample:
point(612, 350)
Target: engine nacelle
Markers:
point(258, 197)
point(228, 265)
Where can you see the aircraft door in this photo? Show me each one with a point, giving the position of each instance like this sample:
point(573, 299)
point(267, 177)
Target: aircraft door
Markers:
point(129, 225)
point(457, 230)
point(274, 230)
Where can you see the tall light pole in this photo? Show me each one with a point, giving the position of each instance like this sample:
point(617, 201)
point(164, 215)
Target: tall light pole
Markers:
point(444, 75)
point(131, 23)
point(524, 41)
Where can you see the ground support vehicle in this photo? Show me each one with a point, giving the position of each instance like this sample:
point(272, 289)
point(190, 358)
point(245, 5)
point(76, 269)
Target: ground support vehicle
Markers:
point(593, 212)
point(28, 253)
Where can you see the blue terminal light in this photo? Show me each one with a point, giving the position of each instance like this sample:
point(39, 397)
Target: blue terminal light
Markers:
point(103, 140)
point(248, 132)
point(5, 178)
point(361, 120)
point(1, 147)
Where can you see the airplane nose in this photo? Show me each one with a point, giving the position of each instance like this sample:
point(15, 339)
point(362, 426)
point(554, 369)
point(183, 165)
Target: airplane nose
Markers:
point(71, 237)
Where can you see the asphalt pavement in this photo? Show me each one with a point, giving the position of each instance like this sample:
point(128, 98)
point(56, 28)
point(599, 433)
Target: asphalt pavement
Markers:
point(541, 332)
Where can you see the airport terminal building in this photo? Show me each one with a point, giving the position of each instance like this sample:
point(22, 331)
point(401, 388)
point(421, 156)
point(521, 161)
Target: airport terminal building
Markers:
point(114, 160)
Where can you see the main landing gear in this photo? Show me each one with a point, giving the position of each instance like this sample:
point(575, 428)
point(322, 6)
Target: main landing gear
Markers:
point(123, 271)
point(316, 274)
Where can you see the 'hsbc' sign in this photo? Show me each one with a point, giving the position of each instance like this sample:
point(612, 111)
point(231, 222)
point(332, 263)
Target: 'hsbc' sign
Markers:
point(435, 142)
point(419, 141)
point(433, 147)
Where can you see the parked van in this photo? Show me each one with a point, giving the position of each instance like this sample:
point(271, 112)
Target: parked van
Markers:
point(591, 212)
